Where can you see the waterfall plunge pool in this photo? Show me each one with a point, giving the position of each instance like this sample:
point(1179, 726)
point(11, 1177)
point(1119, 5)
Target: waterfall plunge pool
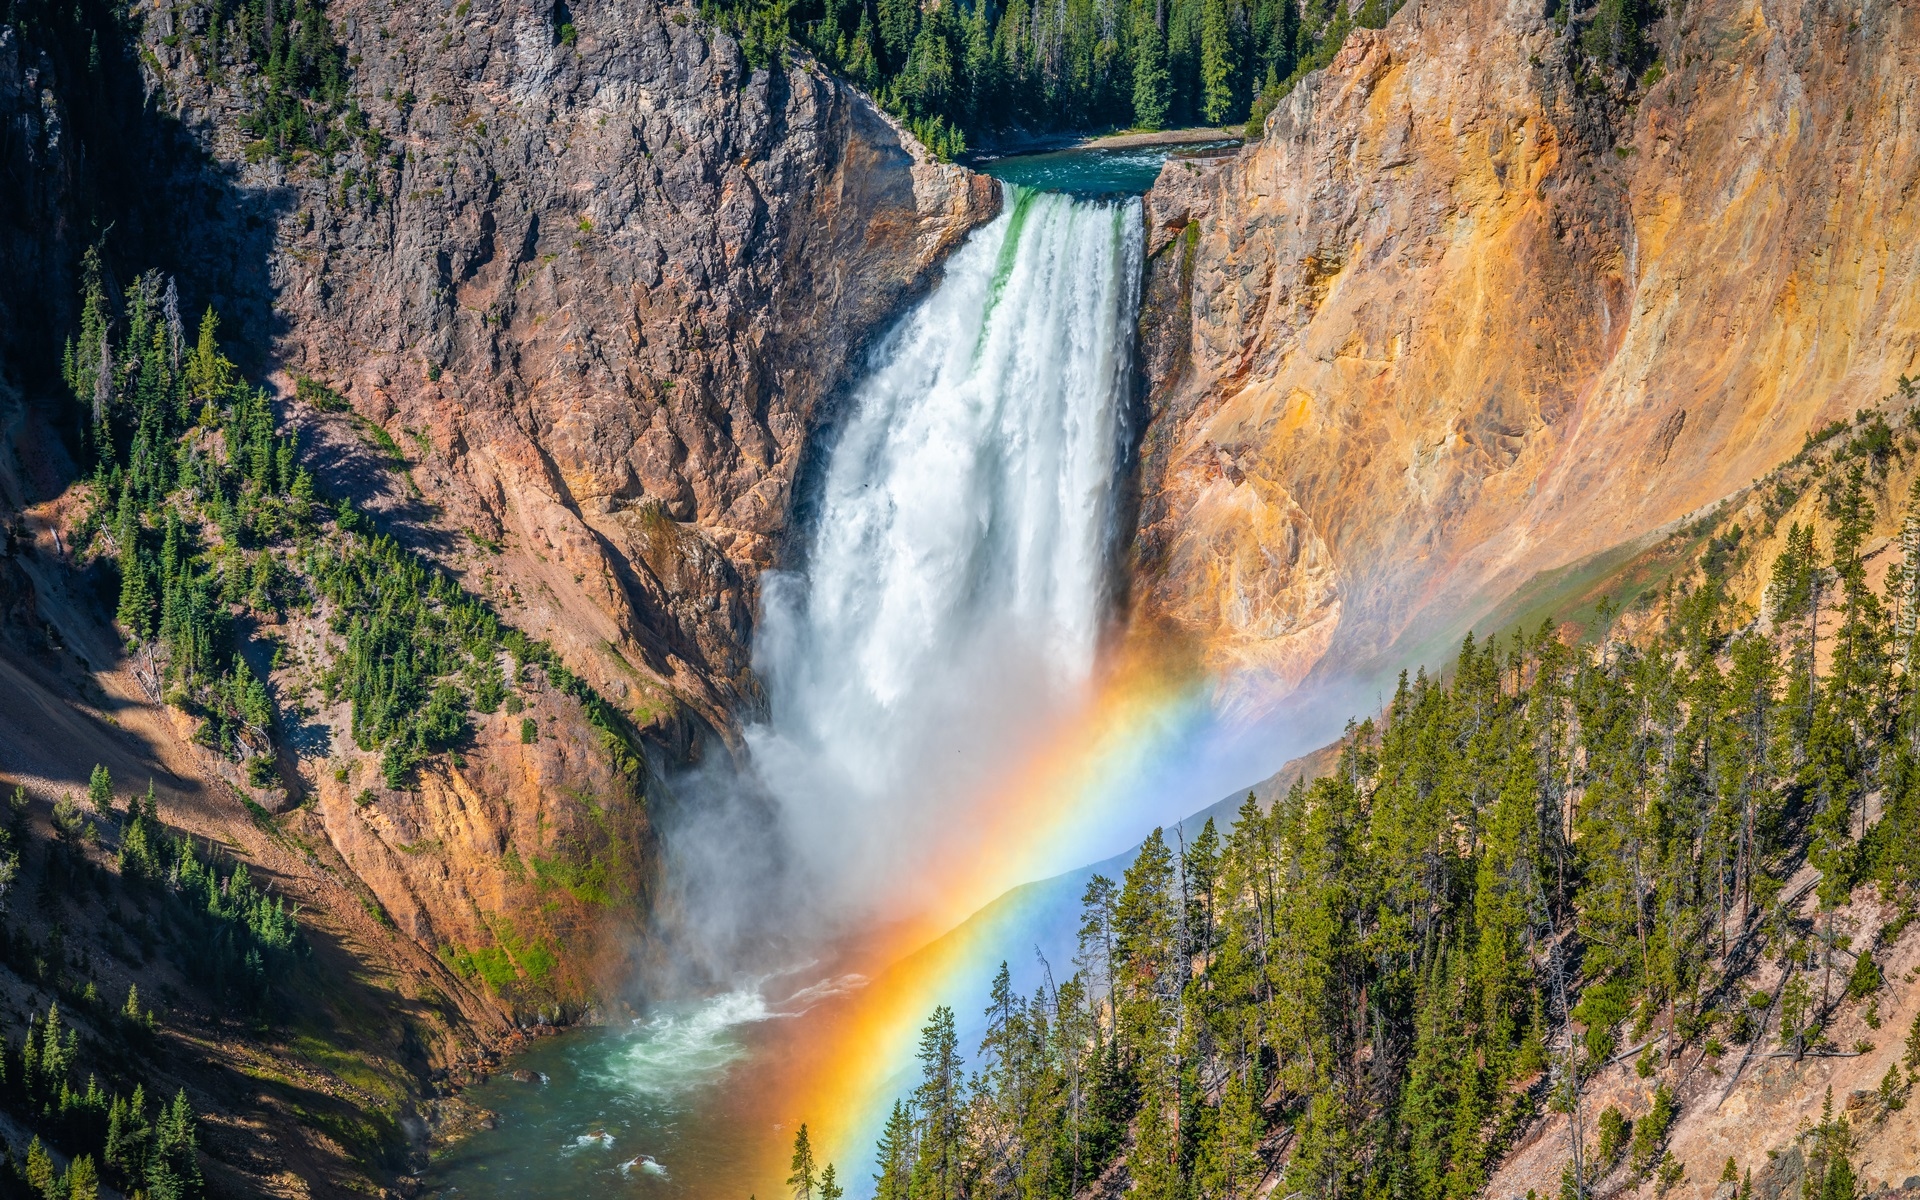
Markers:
point(686, 1101)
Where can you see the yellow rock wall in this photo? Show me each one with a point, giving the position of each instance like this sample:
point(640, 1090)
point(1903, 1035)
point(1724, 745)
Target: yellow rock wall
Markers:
point(1462, 315)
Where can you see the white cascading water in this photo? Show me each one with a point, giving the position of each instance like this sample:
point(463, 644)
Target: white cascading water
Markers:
point(957, 571)
point(949, 603)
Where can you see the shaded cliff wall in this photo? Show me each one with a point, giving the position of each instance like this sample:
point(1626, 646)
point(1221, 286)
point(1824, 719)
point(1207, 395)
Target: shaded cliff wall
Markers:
point(1469, 311)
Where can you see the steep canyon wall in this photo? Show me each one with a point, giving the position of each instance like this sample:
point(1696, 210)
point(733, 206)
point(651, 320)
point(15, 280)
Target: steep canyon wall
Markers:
point(604, 276)
point(578, 294)
point(1472, 309)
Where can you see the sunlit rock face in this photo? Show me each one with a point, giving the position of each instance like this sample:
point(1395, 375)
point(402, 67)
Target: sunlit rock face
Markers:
point(608, 277)
point(578, 301)
point(1461, 316)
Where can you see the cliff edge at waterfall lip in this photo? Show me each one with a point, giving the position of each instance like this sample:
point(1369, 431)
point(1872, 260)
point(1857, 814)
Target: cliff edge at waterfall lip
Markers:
point(1098, 171)
point(1015, 145)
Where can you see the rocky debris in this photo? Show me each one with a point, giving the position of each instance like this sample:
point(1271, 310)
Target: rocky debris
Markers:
point(1470, 311)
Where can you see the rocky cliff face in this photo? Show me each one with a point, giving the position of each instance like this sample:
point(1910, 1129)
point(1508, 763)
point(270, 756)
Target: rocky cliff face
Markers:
point(596, 287)
point(577, 299)
point(584, 294)
point(1470, 310)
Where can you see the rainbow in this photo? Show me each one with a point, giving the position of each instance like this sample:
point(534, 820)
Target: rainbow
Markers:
point(1101, 776)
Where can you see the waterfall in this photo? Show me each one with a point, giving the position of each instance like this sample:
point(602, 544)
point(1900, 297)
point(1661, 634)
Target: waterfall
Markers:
point(945, 607)
point(956, 570)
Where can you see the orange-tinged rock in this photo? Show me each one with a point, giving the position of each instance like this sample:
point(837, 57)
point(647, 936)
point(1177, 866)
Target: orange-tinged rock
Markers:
point(1459, 317)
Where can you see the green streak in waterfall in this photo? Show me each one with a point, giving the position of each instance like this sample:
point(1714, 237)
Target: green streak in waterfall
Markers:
point(1023, 200)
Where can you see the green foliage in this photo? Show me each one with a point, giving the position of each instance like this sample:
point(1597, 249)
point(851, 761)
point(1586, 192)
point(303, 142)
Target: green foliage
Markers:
point(594, 882)
point(1669, 1174)
point(1601, 1010)
point(895, 1155)
point(1894, 1089)
point(1219, 64)
point(959, 74)
point(1551, 837)
point(489, 963)
point(940, 1167)
point(510, 962)
point(1615, 1130)
point(1650, 1132)
point(1830, 1172)
point(1616, 35)
point(212, 510)
point(1865, 978)
point(242, 934)
point(805, 1179)
point(319, 395)
point(117, 1140)
point(196, 499)
point(296, 82)
point(100, 790)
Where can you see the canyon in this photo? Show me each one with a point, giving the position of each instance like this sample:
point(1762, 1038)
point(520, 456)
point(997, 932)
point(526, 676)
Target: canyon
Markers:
point(573, 315)
point(602, 294)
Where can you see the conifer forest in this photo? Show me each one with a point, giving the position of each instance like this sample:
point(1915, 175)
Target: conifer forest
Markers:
point(1546, 858)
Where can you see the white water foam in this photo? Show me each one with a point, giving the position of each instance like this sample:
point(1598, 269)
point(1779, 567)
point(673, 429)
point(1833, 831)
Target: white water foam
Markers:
point(599, 1139)
point(957, 578)
point(680, 1050)
point(645, 1165)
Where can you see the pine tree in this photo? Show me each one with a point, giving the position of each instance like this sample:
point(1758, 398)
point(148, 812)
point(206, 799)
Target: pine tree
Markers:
point(135, 610)
point(100, 790)
point(82, 1180)
point(1201, 864)
point(1096, 945)
point(940, 1103)
point(40, 1176)
point(1218, 68)
point(896, 1155)
point(1152, 84)
point(1239, 1130)
point(1154, 1161)
point(803, 1180)
point(208, 373)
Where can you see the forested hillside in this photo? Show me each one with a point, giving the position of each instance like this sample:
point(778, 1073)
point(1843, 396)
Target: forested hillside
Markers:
point(1558, 851)
point(119, 896)
point(231, 566)
point(962, 73)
